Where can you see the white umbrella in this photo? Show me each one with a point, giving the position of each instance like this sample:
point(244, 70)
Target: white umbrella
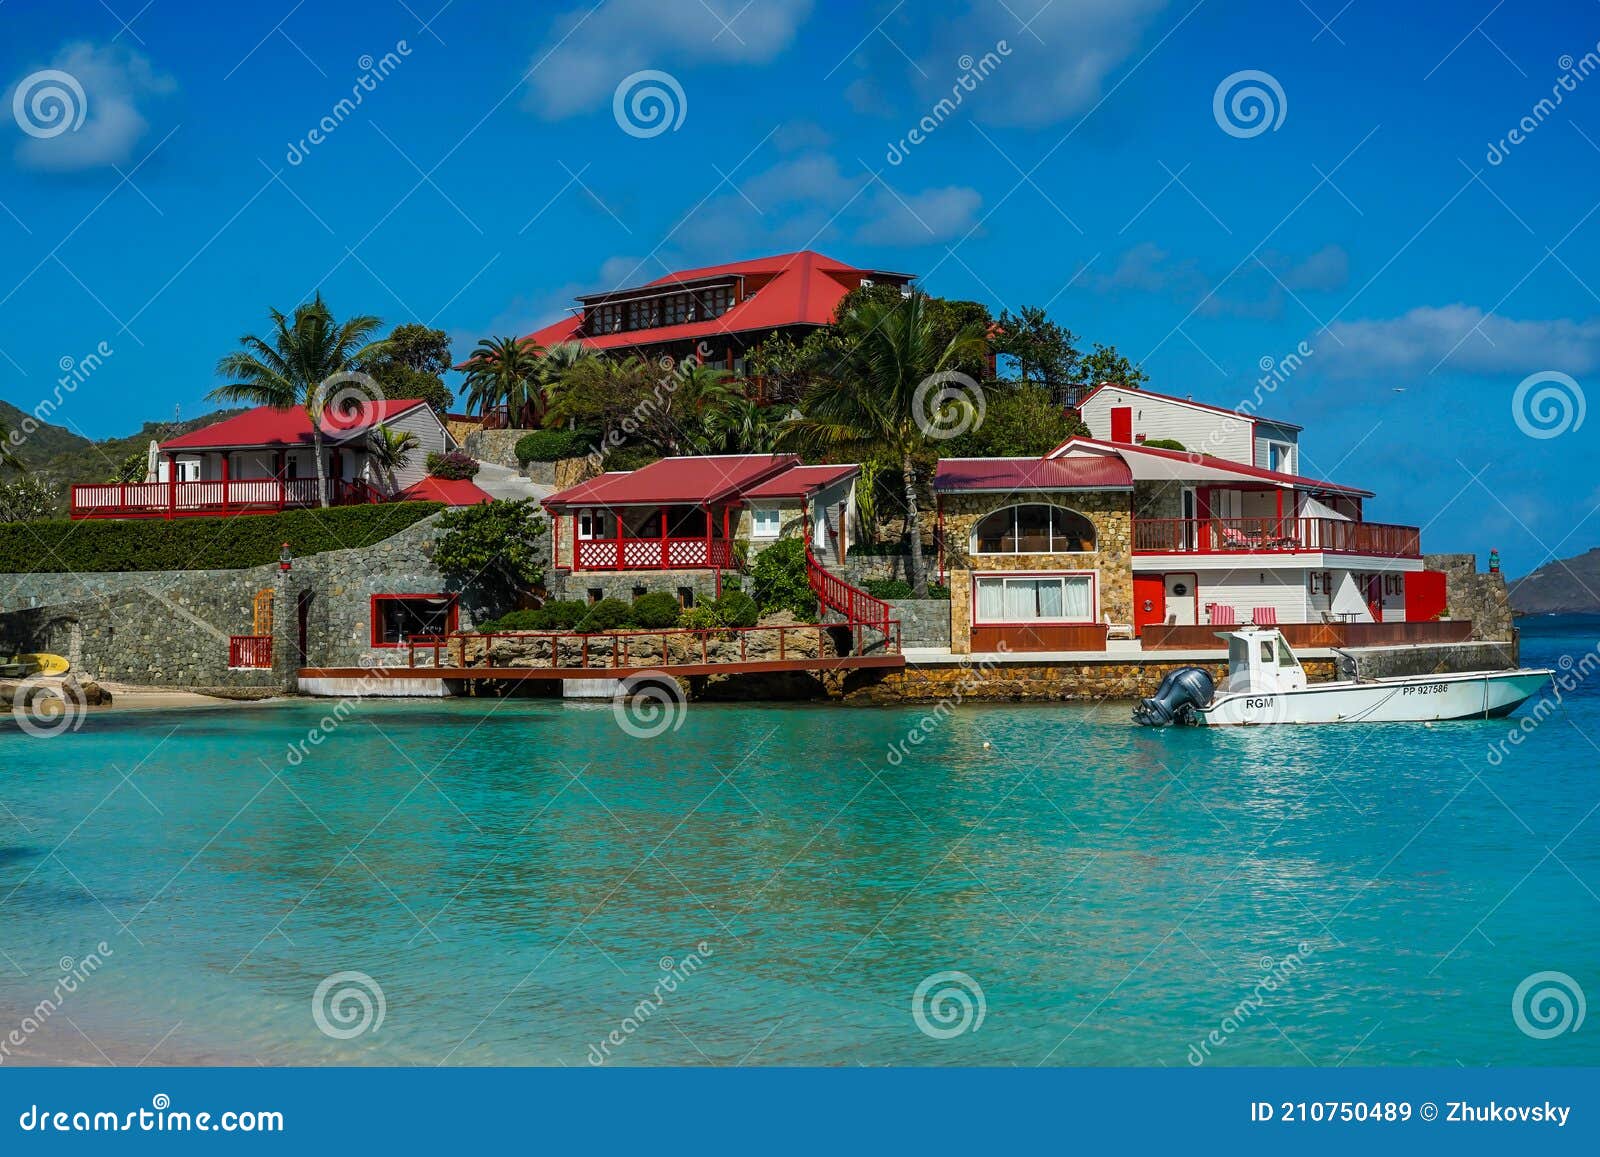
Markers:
point(152, 462)
point(1349, 600)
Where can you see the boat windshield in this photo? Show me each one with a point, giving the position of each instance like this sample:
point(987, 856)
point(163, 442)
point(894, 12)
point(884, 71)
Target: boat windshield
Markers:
point(1238, 655)
point(1286, 657)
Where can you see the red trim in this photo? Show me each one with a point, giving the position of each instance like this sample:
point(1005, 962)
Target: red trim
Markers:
point(452, 621)
point(1208, 460)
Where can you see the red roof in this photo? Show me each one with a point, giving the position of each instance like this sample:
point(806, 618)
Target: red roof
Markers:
point(1187, 402)
point(676, 481)
point(789, 289)
point(1105, 472)
point(269, 427)
point(1197, 459)
point(450, 491)
point(801, 481)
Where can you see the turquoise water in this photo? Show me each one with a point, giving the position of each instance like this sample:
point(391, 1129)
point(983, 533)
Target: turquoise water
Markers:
point(512, 873)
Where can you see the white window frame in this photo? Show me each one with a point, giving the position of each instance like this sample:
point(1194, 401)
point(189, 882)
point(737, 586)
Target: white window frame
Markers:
point(1286, 452)
point(765, 522)
point(1092, 577)
point(588, 522)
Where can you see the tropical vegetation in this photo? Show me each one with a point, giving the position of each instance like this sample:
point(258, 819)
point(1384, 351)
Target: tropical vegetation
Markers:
point(300, 363)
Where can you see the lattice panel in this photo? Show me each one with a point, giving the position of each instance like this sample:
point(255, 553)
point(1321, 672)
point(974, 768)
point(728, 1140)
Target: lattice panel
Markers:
point(686, 552)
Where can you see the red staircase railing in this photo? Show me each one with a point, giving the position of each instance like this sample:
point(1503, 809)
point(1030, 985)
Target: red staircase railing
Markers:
point(855, 604)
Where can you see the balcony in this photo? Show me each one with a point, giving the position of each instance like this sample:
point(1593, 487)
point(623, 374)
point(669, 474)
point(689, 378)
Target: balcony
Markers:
point(1275, 536)
point(654, 554)
point(209, 499)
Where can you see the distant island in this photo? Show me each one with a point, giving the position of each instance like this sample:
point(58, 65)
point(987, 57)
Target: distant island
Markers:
point(1564, 587)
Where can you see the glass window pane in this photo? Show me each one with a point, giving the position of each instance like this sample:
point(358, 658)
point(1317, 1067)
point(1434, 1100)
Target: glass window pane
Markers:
point(1050, 604)
point(990, 605)
point(994, 534)
point(1078, 598)
point(1033, 529)
point(1022, 600)
point(1073, 532)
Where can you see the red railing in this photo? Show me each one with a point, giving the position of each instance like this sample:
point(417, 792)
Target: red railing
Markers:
point(250, 651)
point(654, 553)
point(1274, 536)
point(189, 499)
point(675, 647)
point(855, 604)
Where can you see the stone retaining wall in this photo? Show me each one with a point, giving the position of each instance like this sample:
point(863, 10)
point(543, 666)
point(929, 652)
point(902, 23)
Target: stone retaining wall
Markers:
point(171, 628)
point(1022, 681)
point(923, 622)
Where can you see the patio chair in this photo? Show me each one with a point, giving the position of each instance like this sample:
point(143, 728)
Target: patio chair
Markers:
point(1264, 616)
point(1235, 539)
point(1222, 616)
point(1118, 630)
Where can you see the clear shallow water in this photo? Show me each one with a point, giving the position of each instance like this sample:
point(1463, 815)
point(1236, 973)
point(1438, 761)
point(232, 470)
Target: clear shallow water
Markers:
point(512, 874)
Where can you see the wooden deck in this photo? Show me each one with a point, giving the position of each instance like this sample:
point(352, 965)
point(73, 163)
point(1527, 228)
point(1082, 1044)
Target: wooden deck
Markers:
point(684, 670)
point(1158, 637)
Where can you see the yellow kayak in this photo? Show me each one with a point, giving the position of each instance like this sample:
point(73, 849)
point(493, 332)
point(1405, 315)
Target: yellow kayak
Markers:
point(46, 663)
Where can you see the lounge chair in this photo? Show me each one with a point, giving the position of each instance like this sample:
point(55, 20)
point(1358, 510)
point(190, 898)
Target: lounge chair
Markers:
point(1264, 616)
point(1118, 630)
point(1222, 616)
point(1234, 539)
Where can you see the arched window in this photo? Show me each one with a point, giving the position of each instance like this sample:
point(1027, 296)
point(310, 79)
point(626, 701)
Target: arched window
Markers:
point(1034, 528)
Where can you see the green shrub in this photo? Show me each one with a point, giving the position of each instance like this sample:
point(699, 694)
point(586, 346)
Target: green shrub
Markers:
point(515, 621)
point(887, 588)
point(561, 614)
point(778, 579)
point(549, 445)
point(656, 611)
point(1165, 444)
point(883, 549)
point(701, 617)
point(453, 466)
point(737, 609)
point(938, 591)
point(606, 615)
point(100, 545)
point(631, 457)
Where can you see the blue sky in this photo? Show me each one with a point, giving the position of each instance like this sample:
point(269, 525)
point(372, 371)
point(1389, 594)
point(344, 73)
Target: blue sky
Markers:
point(484, 179)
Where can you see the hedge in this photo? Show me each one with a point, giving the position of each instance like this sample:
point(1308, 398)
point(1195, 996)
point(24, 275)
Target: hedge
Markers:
point(550, 445)
point(198, 543)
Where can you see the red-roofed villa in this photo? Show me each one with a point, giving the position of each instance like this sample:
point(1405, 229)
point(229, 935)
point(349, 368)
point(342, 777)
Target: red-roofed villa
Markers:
point(264, 460)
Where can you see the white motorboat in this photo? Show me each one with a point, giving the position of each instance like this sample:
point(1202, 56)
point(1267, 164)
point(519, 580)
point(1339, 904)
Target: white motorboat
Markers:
point(1266, 684)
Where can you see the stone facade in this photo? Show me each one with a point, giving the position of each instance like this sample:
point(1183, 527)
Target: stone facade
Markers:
point(1482, 598)
point(627, 585)
point(497, 446)
point(1019, 680)
point(1112, 559)
point(171, 628)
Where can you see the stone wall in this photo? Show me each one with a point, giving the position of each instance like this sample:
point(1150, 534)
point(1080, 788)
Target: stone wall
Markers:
point(628, 585)
point(171, 628)
point(1482, 598)
point(497, 446)
point(923, 622)
point(1112, 557)
point(1444, 659)
point(1019, 680)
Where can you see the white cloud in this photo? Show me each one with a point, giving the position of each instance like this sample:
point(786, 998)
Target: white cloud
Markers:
point(1061, 54)
point(114, 81)
point(585, 55)
point(924, 218)
point(1464, 339)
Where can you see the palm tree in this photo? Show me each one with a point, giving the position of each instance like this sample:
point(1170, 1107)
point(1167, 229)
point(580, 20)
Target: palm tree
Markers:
point(742, 426)
point(293, 368)
point(560, 361)
point(506, 371)
point(390, 450)
point(881, 398)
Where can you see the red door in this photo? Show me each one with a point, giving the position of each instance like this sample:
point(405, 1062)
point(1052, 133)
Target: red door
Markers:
point(1375, 597)
point(1149, 601)
point(1122, 423)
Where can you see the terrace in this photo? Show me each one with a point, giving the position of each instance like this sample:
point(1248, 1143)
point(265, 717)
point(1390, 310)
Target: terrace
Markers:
point(1209, 536)
point(174, 499)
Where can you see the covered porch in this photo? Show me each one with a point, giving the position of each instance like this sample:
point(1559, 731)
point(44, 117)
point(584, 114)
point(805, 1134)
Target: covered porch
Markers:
point(221, 482)
point(665, 537)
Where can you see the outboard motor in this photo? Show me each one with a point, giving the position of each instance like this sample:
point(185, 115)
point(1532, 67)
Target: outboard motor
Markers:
point(1181, 692)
